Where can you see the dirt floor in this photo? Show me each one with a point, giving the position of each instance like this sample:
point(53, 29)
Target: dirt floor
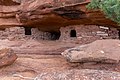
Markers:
point(32, 65)
point(37, 57)
point(34, 57)
point(27, 67)
point(40, 47)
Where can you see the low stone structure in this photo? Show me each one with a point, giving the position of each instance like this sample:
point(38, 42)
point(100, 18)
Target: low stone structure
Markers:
point(87, 33)
point(81, 34)
point(21, 33)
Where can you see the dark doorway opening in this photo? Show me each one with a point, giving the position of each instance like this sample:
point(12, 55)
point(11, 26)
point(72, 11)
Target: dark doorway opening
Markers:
point(119, 33)
point(28, 31)
point(55, 35)
point(73, 33)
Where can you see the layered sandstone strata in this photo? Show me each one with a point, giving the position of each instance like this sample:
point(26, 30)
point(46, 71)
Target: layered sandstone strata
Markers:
point(7, 57)
point(49, 15)
point(8, 12)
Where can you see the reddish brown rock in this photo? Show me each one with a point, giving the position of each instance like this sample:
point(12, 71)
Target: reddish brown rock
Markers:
point(7, 57)
point(49, 15)
point(103, 51)
point(8, 2)
point(8, 16)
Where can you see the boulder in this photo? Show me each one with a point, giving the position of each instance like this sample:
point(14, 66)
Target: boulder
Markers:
point(7, 57)
point(103, 51)
point(80, 75)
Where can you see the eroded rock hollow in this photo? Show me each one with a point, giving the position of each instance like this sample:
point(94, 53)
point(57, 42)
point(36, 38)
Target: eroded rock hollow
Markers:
point(49, 15)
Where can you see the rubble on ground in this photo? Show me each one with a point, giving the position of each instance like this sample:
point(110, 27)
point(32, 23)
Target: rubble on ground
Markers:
point(85, 74)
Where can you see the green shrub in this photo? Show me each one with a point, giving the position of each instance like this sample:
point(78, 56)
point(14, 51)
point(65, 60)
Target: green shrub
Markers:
point(111, 8)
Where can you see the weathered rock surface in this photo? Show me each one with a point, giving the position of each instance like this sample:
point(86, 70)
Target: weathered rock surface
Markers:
point(8, 16)
point(104, 51)
point(49, 15)
point(7, 57)
point(8, 2)
point(80, 75)
point(8, 10)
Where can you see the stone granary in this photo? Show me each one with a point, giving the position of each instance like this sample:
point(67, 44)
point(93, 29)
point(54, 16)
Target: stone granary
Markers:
point(76, 33)
point(87, 33)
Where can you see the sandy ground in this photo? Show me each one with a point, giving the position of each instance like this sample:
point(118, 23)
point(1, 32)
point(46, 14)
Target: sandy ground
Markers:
point(30, 64)
point(37, 47)
point(34, 57)
point(27, 67)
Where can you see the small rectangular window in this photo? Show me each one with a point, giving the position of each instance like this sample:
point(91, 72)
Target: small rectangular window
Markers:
point(28, 31)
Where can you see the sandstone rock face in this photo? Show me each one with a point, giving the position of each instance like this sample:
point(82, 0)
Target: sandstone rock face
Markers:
point(8, 2)
point(8, 9)
point(7, 57)
point(8, 16)
point(49, 15)
point(104, 51)
point(80, 75)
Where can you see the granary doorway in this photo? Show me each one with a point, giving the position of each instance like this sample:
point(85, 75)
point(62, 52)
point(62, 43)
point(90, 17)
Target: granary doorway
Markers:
point(28, 31)
point(73, 33)
point(119, 33)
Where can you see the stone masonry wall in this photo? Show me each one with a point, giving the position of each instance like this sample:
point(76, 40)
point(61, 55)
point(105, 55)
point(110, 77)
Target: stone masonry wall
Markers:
point(18, 33)
point(84, 34)
point(87, 33)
